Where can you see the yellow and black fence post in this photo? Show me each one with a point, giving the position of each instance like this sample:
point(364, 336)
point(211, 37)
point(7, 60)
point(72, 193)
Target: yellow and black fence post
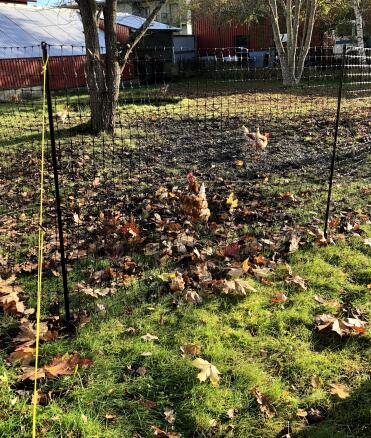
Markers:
point(44, 47)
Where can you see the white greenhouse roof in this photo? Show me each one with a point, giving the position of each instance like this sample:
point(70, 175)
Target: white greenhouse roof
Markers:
point(135, 22)
point(23, 28)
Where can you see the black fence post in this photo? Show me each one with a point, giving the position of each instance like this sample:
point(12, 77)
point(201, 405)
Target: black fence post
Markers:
point(336, 135)
point(44, 47)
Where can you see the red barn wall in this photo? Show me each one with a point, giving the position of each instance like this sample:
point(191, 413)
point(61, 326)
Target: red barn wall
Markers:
point(260, 35)
point(210, 36)
point(65, 72)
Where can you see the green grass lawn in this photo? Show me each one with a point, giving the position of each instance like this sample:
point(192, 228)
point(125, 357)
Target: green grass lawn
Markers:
point(253, 342)
point(259, 346)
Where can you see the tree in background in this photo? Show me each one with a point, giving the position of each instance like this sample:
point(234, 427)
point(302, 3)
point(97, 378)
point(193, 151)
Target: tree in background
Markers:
point(296, 18)
point(104, 73)
point(357, 7)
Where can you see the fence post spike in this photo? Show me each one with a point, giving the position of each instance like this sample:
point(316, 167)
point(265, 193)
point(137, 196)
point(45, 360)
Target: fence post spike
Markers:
point(44, 47)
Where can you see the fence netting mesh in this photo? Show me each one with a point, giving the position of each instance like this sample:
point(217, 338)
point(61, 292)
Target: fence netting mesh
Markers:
point(180, 116)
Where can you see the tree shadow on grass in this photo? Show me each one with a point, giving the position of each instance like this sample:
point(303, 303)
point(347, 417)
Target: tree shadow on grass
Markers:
point(332, 342)
point(350, 418)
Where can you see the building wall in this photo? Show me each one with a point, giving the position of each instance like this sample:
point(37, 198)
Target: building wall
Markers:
point(255, 36)
point(65, 72)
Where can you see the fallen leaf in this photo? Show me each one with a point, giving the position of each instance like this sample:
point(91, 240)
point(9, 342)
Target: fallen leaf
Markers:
point(321, 300)
point(294, 244)
point(340, 326)
point(142, 371)
point(340, 390)
point(232, 250)
point(28, 373)
point(95, 292)
point(235, 287)
point(66, 365)
point(301, 413)
point(264, 403)
point(191, 349)
point(149, 404)
point(208, 371)
point(149, 338)
point(279, 298)
point(297, 280)
point(177, 282)
point(169, 415)
point(162, 434)
point(22, 355)
point(239, 163)
point(246, 265)
point(192, 297)
point(231, 413)
point(232, 201)
point(10, 300)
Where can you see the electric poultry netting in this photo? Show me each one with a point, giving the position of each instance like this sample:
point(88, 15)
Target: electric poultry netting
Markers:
point(211, 157)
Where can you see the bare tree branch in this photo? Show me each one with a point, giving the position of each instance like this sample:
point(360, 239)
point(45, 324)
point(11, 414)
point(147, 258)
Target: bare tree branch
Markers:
point(136, 36)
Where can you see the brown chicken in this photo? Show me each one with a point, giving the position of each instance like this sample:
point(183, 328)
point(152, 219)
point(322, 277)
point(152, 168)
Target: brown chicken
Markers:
point(256, 139)
point(61, 116)
point(195, 204)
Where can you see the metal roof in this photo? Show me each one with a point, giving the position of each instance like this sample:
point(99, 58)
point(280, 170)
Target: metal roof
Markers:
point(135, 22)
point(23, 28)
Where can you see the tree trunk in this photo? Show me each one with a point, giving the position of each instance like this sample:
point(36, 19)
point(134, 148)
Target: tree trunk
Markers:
point(95, 69)
point(359, 24)
point(103, 77)
point(292, 58)
point(113, 73)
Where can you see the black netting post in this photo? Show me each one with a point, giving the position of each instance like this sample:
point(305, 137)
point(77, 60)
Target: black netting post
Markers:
point(44, 47)
point(336, 135)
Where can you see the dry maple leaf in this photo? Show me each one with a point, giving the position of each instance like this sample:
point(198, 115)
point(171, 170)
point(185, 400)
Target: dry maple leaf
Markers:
point(297, 280)
point(149, 404)
point(232, 201)
point(9, 296)
point(235, 287)
point(294, 244)
point(95, 292)
point(321, 300)
point(66, 365)
point(246, 265)
point(177, 282)
point(203, 274)
point(28, 373)
point(340, 390)
point(232, 250)
point(169, 415)
point(192, 297)
point(279, 298)
point(191, 349)
point(27, 334)
point(208, 371)
point(162, 434)
point(264, 403)
point(149, 338)
point(341, 327)
point(23, 356)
